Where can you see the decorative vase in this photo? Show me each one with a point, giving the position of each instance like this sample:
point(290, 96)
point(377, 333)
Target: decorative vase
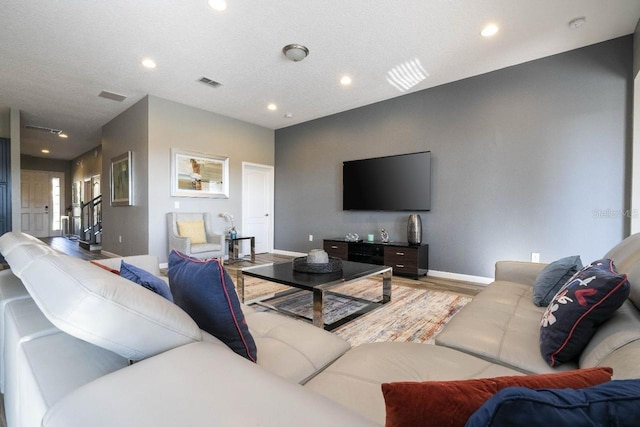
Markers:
point(414, 229)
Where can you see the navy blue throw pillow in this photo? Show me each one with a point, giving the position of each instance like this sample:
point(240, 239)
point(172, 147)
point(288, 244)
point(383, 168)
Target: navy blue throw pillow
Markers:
point(614, 403)
point(552, 277)
point(145, 279)
point(589, 298)
point(205, 291)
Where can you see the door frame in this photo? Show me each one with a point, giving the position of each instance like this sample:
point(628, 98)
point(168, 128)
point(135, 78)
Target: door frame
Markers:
point(52, 174)
point(270, 169)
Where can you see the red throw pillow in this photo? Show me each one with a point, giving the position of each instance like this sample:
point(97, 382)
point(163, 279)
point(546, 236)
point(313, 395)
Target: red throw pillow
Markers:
point(451, 403)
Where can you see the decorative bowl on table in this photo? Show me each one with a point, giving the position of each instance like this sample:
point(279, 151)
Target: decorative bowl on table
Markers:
point(317, 261)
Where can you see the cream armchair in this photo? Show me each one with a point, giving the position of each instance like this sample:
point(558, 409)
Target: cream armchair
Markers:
point(191, 234)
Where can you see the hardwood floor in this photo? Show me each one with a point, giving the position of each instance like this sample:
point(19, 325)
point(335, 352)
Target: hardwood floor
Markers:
point(71, 247)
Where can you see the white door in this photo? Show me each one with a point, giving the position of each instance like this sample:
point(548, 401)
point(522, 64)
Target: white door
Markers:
point(41, 199)
point(34, 197)
point(257, 205)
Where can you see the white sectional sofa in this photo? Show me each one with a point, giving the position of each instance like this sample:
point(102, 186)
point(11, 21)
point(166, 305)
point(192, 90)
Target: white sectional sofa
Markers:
point(81, 346)
point(71, 329)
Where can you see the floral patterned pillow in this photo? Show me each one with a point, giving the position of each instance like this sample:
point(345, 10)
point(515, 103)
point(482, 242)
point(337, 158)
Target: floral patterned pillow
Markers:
point(589, 298)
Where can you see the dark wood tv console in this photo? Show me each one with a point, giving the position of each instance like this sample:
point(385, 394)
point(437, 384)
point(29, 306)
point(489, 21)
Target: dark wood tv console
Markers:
point(406, 259)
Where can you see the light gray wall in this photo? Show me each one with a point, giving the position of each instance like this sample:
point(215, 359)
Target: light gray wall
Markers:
point(173, 125)
point(127, 132)
point(531, 158)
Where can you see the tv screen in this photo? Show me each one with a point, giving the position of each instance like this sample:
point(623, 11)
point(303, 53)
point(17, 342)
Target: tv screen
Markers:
point(393, 183)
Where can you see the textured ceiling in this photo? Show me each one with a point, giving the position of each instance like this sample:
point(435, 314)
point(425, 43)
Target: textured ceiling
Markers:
point(56, 56)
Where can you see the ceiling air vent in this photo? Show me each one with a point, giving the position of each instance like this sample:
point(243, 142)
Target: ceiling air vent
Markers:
point(43, 129)
point(209, 82)
point(112, 96)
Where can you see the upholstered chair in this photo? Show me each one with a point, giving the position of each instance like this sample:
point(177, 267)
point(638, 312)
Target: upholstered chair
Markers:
point(191, 234)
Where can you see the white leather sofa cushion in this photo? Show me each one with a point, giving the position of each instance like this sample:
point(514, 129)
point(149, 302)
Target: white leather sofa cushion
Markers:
point(23, 322)
point(20, 257)
point(13, 239)
point(501, 325)
point(355, 379)
point(102, 308)
point(290, 348)
point(11, 289)
point(52, 366)
point(197, 385)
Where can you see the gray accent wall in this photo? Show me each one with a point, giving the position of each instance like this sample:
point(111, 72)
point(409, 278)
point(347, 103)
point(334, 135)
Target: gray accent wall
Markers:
point(531, 158)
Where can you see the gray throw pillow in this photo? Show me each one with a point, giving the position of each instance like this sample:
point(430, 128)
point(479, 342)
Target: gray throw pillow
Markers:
point(552, 277)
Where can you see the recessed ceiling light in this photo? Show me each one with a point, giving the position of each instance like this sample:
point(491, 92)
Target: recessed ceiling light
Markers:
point(45, 151)
point(63, 135)
point(148, 63)
point(345, 81)
point(489, 30)
point(272, 107)
point(219, 5)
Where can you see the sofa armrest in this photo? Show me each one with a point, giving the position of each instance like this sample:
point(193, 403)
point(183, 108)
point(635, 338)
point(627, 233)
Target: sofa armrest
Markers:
point(518, 271)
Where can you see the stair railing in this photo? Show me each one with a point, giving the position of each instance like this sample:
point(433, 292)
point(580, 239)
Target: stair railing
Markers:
point(91, 219)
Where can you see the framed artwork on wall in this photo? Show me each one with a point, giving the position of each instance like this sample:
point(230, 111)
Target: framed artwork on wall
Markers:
point(121, 180)
point(199, 175)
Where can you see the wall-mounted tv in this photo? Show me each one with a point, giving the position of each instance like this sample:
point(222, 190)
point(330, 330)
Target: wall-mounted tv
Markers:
point(392, 183)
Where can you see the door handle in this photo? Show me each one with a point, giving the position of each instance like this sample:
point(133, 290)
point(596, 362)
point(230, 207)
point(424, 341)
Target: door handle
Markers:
point(46, 209)
point(266, 214)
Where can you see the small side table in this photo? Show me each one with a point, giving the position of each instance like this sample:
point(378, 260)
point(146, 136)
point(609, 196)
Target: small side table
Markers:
point(234, 247)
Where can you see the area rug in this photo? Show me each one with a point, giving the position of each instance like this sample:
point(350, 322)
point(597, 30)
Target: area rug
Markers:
point(412, 315)
point(336, 307)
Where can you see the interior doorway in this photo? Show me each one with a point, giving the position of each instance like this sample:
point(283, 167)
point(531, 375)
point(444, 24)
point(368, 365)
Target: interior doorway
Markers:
point(42, 202)
point(257, 205)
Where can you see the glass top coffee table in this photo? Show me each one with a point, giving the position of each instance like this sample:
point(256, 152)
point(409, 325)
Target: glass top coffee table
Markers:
point(320, 284)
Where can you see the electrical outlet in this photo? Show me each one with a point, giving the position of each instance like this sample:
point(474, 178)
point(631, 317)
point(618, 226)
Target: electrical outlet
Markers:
point(535, 257)
point(176, 205)
point(311, 237)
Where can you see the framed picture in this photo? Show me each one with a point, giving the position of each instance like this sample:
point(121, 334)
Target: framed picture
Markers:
point(199, 175)
point(121, 180)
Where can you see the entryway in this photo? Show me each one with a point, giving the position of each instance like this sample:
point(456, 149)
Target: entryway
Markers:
point(41, 200)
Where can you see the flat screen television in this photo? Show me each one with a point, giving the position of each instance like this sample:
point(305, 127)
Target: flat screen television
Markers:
point(392, 183)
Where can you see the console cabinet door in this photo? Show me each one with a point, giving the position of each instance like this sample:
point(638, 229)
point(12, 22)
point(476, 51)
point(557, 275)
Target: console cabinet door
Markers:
point(337, 249)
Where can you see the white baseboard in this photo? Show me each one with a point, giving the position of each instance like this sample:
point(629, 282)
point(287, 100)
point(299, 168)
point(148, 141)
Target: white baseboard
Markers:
point(464, 277)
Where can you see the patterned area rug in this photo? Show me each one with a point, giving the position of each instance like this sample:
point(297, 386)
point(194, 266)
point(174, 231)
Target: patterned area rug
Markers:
point(412, 315)
point(336, 307)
